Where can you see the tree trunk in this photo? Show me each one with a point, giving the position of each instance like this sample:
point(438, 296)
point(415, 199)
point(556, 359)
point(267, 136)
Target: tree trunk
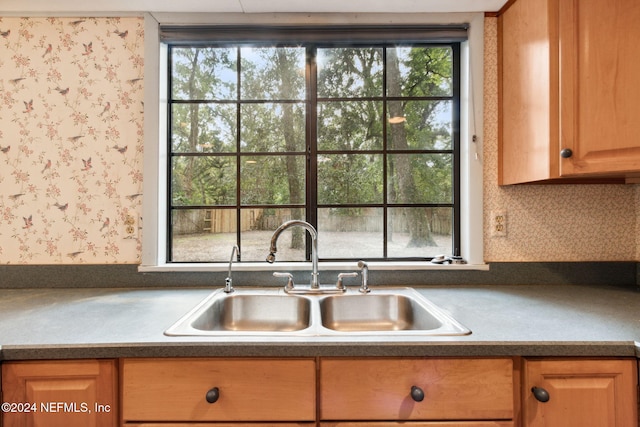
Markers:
point(419, 229)
point(194, 130)
point(286, 69)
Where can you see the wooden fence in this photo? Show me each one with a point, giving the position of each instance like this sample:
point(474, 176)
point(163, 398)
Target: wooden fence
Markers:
point(195, 221)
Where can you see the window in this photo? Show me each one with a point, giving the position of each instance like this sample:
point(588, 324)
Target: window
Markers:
point(360, 138)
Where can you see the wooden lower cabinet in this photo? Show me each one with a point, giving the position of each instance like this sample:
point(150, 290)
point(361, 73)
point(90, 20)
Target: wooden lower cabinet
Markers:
point(218, 390)
point(220, 425)
point(580, 393)
point(420, 424)
point(338, 424)
point(328, 392)
point(71, 393)
point(466, 391)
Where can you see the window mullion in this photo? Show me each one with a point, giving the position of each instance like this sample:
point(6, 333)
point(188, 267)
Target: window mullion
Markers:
point(385, 181)
point(238, 148)
point(311, 182)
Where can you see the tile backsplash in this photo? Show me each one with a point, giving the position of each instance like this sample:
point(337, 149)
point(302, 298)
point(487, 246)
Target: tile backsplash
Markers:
point(71, 154)
point(71, 140)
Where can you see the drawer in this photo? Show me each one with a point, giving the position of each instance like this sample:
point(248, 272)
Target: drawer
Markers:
point(418, 424)
point(248, 389)
point(233, 425)
point(381, 389)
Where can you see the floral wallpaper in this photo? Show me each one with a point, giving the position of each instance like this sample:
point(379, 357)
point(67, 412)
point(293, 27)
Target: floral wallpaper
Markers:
point(71, 140)
point(552, 222)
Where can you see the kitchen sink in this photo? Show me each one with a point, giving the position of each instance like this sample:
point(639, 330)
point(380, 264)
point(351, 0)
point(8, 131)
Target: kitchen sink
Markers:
point(272, 312)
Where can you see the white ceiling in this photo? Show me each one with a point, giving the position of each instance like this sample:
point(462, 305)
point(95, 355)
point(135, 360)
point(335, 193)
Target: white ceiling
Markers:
point(250, 6)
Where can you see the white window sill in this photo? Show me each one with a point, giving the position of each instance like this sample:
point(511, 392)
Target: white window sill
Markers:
point(303, 266)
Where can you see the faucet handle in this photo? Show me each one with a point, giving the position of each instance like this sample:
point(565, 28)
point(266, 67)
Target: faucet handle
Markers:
point(339, 284)
point(289, 286)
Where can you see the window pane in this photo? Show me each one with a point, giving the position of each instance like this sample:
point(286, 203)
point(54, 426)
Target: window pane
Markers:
point(350, 125)
point(349, 72)
point(272, 127)
point(420, 178)
point(269, 180)
point(350, 233)
point(273, 73)
point(198, 128)
point(204, 73)
point(203, 180)
point(420, 125)
point(350, 178)
point(419, 71)
point(258, 226)
point(203, 235)
point(381, 133)
point(419, 232)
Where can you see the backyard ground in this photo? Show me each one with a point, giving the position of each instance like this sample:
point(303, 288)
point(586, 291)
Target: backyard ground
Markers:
point(208, 247)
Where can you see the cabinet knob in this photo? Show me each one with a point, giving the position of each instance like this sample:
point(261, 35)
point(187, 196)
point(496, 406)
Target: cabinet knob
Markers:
point(565, 153)
point(213, 395)
point(417, 394)
point(540, 394)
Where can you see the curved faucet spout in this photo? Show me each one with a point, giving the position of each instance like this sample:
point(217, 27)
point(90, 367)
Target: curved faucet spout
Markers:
point(228, 286)
point(314, 247)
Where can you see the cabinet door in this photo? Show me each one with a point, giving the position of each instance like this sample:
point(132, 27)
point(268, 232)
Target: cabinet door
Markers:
point(599, 86)
point(528, 92)
point(422, 424)
point(228, 425)
point(72, 393)
point(182, 390)
point(385, 389)
point(581, 393)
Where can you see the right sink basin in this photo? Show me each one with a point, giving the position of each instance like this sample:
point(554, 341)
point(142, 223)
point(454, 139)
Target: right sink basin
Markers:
point(389, 310)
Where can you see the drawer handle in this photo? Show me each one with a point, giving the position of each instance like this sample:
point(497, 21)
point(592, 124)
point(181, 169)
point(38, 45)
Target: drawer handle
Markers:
point(540, 394)
point(417, 394)
point(213, 395)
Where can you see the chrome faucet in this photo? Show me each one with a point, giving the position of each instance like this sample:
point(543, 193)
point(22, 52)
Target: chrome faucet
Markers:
point(228, 282)
point(314, 247)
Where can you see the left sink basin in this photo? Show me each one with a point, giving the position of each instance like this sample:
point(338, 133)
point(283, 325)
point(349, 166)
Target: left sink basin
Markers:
point(260, 312)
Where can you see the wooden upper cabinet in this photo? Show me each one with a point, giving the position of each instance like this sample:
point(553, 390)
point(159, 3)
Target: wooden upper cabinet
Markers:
point(569, 90)
point(580, 393)
point(528, 92)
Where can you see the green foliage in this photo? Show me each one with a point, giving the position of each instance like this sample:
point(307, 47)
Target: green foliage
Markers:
point(352, 115)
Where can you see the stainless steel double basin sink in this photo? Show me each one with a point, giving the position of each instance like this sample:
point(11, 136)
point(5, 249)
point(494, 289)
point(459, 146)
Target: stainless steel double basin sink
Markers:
point(272, 312)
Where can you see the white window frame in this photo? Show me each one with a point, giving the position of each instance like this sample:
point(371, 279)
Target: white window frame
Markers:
point(154, 223)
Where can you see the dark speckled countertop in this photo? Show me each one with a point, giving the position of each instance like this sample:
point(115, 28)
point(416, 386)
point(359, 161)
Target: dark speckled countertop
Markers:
point(524, 320)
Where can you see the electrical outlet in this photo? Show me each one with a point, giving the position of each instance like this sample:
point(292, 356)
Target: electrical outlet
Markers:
point(498, 223)
point(130, 227)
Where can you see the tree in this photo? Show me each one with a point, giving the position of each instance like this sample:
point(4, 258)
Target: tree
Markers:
point(351, 119)
point(355, 74)
point(273, 74)
point(198, 75)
